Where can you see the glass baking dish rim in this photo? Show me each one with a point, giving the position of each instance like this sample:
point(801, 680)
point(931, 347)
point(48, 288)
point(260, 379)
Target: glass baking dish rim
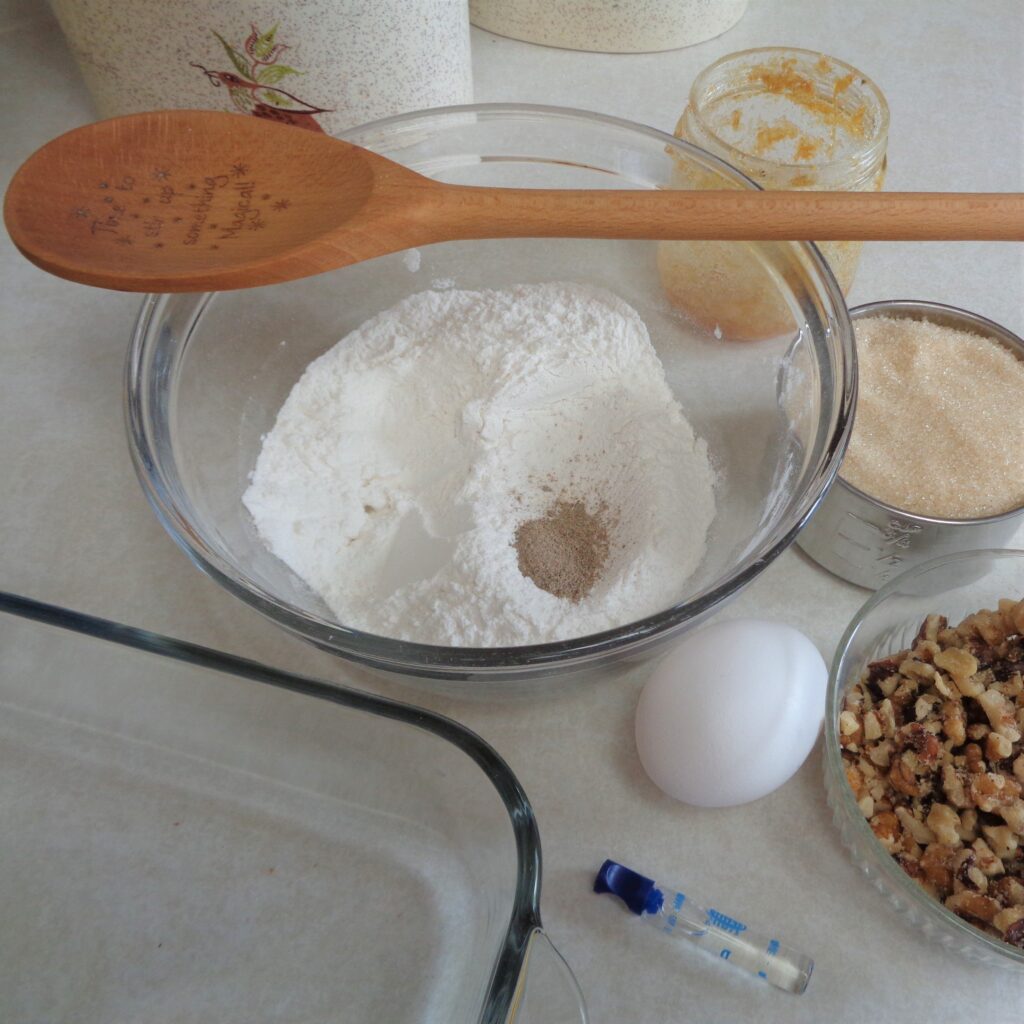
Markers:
point(508, 974)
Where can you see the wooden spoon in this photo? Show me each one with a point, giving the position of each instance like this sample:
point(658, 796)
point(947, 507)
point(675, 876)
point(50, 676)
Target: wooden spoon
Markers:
point(184, 200)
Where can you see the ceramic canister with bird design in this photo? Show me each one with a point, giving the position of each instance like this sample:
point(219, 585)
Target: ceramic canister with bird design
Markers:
point(324, 65)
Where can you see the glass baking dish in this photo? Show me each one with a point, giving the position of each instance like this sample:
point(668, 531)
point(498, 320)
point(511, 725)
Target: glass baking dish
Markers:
point(182, 845)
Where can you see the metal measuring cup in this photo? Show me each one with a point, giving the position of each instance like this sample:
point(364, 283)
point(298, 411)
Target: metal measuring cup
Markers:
point(867, 542)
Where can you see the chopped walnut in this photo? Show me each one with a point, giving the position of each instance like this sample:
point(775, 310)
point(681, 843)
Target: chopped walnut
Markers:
point(953, 786)
point(1013, 616)
point(945, 823)
point(921, 741)
point(990, 791)
point(958, 663)
point(937, 865)
point(931, 627)
point(972, 687)
point(1009, 922)
point(855, 779)
point(966, 872)
point(988, 862)
point(881, 753)
point(888, 685)
point(1009, 891)
point(954, 722)
point(886, 827)
point(912, 668)
point(917, 828)
point(973, 760)
point(968, 825)
point(1013, 815)
point(1002, 839)
point(848, 723)
point(887, 716)
point(1012, 687)
point(973, 906)
point(989, 626)
point(1001, 714)
point(931, 739)
point(903, 777)
point(997, 747)
point(872, 727)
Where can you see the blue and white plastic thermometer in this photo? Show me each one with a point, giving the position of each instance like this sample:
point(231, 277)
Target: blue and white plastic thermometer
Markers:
point(674, 913)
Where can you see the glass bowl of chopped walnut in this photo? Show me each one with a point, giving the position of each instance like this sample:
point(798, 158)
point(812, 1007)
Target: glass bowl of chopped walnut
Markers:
point(924, 756)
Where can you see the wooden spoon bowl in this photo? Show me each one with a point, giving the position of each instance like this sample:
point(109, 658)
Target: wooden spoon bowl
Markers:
point(177, 201)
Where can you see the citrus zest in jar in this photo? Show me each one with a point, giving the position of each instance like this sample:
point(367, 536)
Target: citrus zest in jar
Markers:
point(788, 119)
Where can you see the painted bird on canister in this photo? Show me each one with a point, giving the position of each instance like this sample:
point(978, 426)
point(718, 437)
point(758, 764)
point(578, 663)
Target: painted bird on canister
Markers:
point(254, 98)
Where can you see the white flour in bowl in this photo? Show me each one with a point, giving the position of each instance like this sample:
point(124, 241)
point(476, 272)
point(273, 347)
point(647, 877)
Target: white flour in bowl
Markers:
point(405, 459)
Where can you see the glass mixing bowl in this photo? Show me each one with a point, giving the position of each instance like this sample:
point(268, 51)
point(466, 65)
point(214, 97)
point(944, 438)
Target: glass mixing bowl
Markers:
point(955, 586)
point(206, 375)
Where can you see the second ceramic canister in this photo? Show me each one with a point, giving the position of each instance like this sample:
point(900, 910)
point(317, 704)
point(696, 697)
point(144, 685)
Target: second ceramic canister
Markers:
point(627, 26)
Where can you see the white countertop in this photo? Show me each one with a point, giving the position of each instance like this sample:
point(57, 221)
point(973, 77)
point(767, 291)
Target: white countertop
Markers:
point(77, 531)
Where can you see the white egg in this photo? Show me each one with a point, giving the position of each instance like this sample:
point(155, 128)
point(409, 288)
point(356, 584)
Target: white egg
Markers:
point(732, 712)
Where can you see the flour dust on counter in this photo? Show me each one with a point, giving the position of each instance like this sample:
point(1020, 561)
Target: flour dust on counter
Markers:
point(488, 469)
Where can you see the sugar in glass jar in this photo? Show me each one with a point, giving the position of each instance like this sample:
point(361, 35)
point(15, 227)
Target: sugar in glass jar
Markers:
point(788, 119)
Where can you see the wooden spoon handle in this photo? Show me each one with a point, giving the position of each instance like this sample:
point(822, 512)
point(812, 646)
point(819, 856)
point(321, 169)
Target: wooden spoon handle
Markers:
point(468, 212)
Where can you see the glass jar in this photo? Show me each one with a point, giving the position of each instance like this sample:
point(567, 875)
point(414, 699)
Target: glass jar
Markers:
point(788, 119)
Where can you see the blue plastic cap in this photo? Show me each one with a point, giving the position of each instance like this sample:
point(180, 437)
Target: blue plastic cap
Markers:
point(638, 893)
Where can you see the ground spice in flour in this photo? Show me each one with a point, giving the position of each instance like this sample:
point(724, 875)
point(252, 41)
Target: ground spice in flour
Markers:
point(939, 420)
point(564, 551)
